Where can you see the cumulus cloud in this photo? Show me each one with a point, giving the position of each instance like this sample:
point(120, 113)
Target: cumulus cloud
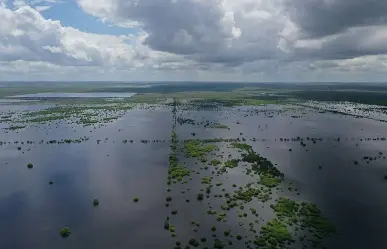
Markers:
point(317, 18)
point(237, 32)
point(181, 27)
point(212, 31)
point(26, 35)
point(264, 37)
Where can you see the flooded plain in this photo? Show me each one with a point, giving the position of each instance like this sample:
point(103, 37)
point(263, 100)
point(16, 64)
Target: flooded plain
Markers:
point(74, 95)
point(335, 161)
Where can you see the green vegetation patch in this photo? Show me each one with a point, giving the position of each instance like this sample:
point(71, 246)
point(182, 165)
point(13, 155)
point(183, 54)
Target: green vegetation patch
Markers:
point(241, 146)
point(95, 202)
point(206, 180)
point(231, 163)
point(312, 217)
point(15, 127)
point(193, 242)
point(218, 126)
point(195, 148)
point(221, 217)
point(269, 175)
point(65, 232)
point(178, 172)
point(304, 214)
point(286, 207)
point(81, 114)
point(274, 233)
point(247, 195)
point(269, 181)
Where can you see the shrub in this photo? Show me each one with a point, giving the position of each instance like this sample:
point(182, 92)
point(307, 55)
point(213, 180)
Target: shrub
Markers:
point(166, 224)
point(193, 242)
point(95, 202)
point(65, 232)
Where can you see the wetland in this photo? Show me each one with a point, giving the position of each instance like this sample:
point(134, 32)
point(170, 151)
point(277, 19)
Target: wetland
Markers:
point(192, 165)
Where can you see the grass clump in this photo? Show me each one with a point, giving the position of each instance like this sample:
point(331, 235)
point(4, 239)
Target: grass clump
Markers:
point(241, 146)
point(218, 244)
point(199, 196)
point(206, 180)
point(166, 224)
point(231, 163)
point(215, 162)
point(30, 165)
point(211, 212)
point(172, 228)
point(65, 232)
point(95, 202)
point(220, 216)
point(15, 127)
point(193, 242)
point(219, 126)
point(136, 199)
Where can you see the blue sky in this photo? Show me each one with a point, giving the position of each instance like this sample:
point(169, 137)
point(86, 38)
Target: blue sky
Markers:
point(70, 15)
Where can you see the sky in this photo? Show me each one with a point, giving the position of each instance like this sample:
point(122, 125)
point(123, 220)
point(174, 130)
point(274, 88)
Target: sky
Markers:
point(194, 40)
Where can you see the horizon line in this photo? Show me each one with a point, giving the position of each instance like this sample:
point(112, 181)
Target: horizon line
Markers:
point(193, 81)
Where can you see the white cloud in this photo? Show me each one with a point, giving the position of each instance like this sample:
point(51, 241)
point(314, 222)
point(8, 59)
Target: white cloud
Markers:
point(42, 8)
point(27, 36)
point(246, 38)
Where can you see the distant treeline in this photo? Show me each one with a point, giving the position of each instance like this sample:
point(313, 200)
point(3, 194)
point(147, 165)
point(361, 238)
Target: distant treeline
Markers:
point(227, 87)
point(370, 98)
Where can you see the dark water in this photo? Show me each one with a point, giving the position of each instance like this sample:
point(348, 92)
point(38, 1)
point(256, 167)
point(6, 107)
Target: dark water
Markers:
point(32, 211)
point(75, 95)
point(352, 196)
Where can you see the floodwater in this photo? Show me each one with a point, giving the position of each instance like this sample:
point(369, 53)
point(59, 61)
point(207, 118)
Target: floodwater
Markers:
point(352, 196)
point(75, 95)
point(32, 211)
point(2, 101)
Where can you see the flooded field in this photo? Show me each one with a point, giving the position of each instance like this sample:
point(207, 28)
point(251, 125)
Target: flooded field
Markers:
point(176, 171)
point(74, 95)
